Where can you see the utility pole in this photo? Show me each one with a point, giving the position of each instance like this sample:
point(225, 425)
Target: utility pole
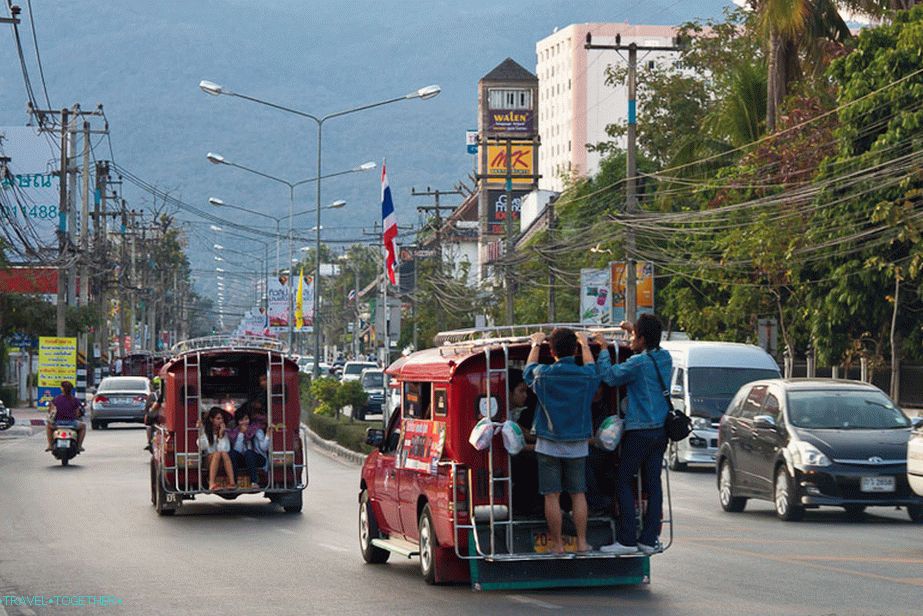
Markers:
point(631, 172)
point(437, 207)
point(552, 308)
point(62, 226)
point(85, 219)
point(72, 207)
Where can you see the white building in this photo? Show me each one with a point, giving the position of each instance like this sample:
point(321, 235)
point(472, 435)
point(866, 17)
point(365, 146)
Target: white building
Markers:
point(575, 104)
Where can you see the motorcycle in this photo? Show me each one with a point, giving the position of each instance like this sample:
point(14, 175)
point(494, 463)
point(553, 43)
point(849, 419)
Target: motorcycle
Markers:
point(6, 417)
point(64, 441)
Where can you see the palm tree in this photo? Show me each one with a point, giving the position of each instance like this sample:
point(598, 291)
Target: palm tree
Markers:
point(794, 27)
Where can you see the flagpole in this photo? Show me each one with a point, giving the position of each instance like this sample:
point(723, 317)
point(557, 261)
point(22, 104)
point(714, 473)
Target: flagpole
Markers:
point(387, 310)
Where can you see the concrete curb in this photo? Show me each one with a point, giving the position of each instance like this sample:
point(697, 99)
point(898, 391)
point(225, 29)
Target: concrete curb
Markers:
point(336, 450)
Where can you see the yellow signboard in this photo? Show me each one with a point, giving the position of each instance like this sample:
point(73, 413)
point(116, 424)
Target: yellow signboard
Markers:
point(521, 163)
point(57, 361)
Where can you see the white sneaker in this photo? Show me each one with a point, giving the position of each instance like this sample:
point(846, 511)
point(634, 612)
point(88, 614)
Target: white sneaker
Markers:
point(650, 549)
point(618, 548)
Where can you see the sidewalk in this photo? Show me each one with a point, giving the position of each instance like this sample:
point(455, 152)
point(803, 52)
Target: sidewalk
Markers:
point(29, 421)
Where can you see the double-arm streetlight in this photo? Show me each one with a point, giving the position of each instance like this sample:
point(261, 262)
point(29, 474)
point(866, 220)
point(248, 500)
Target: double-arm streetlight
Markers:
point(423, 93)
point(277, 219)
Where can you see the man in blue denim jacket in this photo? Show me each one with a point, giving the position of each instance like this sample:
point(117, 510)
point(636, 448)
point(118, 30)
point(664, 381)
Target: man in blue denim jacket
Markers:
point(563, 426)
point(645, 438)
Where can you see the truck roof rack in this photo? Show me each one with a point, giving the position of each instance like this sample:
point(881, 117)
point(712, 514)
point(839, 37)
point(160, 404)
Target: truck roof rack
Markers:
point(229, 342)
point(512, 334)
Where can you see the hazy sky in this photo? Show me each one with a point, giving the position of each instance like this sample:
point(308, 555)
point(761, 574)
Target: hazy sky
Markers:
point(144, 59)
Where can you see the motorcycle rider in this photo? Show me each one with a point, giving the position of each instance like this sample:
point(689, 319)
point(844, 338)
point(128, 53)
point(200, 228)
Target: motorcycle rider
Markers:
point(66, 407)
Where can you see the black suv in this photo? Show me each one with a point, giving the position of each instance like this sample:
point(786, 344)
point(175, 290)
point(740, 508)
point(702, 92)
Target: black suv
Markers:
point(806, 443)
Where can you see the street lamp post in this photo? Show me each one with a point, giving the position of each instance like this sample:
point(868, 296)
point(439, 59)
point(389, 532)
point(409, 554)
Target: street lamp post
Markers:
point(424, 93)
point(218, 159)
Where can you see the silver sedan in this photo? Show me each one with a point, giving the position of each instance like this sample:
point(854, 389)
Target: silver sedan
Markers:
point(119, 398)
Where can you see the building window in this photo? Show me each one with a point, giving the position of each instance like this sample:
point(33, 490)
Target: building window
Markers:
point(508, 98)
point(650, 65)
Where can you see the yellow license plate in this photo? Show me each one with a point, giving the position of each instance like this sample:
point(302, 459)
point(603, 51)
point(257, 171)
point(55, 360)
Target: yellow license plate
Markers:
point(541, 543)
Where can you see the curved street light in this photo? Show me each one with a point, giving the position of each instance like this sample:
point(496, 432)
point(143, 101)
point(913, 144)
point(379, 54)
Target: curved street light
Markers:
point(424, 93)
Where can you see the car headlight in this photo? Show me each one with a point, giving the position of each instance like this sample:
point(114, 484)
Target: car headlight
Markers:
point(701, 423)
point(808, 455)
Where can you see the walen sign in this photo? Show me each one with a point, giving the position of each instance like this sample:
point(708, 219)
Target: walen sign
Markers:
point(509, 121)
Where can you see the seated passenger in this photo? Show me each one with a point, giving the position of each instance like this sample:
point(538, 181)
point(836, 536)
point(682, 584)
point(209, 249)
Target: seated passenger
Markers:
point(214, 443)
point(524, 466)
point(600, 470)
point(249, 446)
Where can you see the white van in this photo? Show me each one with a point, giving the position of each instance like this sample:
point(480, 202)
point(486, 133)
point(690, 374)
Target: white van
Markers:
point(705, 377)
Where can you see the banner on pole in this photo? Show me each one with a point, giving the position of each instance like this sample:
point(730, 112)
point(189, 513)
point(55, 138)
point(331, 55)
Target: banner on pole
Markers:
point(644, 271)
point(279, 295)
point(595, 308)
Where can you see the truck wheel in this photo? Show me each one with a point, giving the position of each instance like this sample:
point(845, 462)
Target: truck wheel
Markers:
point(293, 503)
point(429, 546)
point(368, 530)
point(673, 459)
point(160, 497)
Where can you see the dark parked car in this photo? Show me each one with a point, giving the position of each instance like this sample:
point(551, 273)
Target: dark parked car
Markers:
point(806, 443)
point(373, 383)
point(119, 398)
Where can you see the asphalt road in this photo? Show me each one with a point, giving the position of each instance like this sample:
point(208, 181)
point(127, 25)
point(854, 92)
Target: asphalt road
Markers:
point(89, 529)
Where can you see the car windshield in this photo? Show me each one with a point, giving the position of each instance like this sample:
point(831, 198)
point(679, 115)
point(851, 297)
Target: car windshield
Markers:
point(356, 368)
point(123, 384)
point(724, 382)
point(855, 409)
point(373, 379)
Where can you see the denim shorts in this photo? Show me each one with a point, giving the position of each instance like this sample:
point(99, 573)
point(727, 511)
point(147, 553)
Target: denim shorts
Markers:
point(557, 475)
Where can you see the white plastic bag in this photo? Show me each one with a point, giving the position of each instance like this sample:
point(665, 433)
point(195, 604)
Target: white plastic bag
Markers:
point(513, 438)
point(481, 434)
point(610, 432)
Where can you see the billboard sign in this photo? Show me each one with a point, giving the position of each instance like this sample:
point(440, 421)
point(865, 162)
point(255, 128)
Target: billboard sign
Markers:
point(521, 163)
point(279, 304)
point(498, 209)
point(57, 361)
point(595, 289)
point(511, 121)
point(471, 141)
point(645, 288)
point(31, 190)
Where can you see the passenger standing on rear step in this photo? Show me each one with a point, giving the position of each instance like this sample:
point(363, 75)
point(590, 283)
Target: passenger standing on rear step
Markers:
point(645, 438)
point(214, 442)
point(562, 426)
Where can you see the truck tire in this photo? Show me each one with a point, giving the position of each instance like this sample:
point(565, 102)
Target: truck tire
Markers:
point(160, 496)
point(429, 546)
point(368, 530)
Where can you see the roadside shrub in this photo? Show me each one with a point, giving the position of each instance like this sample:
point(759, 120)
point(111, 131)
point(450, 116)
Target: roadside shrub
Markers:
point(351, 394)
point(325, 427)
point(324, 390)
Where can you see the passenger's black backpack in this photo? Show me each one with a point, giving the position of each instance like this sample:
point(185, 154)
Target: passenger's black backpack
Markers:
point(678, 425)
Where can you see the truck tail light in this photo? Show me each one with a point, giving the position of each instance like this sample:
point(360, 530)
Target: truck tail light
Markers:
point(461, 502)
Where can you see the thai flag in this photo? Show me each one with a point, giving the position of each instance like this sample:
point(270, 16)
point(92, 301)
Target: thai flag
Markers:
point(388, 222)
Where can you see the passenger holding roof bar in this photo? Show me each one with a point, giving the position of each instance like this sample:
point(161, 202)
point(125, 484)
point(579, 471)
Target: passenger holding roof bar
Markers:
point(563, 426)
point(645, 438)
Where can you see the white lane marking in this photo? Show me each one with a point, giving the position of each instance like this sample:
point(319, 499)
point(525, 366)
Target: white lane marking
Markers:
point(287, 531)
point(335, 548)
point(535, 602)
